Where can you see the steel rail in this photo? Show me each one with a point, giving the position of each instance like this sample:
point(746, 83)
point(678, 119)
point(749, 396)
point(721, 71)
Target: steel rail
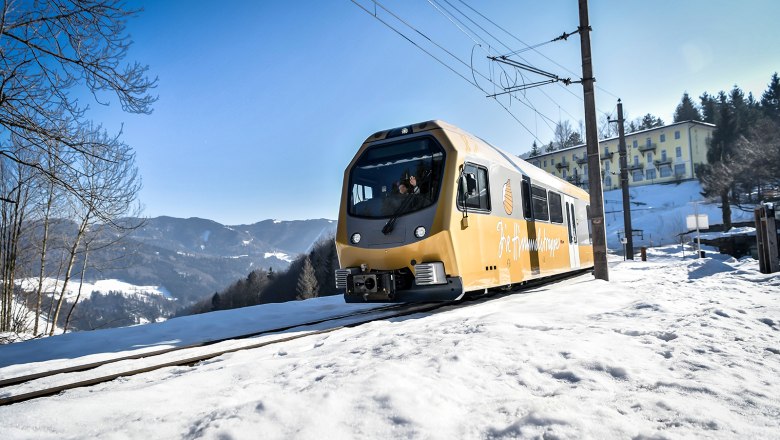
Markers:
point(92, 365)
point(16, 398)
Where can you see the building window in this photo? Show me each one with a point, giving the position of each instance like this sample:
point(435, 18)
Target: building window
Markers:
point(585, 169)
point(608, 181)
point(606, 150)
point(636, 160)
point(563, 173)
point(679, 169)
point(665, 171)
point(677, 134)
point(650, 174)
point(678, 152)
point(545, 164)
point(552, 162)
point(649, 156)
point(636, 144)
point(606, 166)
point(663, 137)
point(638, 175)
point(574, 157)
point(663, 155)
point(648, 142)
point(536, 163)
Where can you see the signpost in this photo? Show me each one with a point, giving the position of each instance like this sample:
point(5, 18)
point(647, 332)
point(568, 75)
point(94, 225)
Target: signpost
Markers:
point(697, 221)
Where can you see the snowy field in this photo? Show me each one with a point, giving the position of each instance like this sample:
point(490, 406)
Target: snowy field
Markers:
point(87, 288)
point(670, 348)
point(660, 211)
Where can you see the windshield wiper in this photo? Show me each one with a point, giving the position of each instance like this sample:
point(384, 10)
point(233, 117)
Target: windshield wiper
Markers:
point(388, 227)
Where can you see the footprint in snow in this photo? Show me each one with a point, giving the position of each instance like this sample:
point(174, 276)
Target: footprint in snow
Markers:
point(769, 322)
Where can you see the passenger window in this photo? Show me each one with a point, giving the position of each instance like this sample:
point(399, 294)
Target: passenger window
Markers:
point(476, 191)
point(526, 189)
point(539, 196)
point(556, 208)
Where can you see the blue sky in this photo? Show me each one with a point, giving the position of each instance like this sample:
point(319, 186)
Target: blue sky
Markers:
point(262, 104)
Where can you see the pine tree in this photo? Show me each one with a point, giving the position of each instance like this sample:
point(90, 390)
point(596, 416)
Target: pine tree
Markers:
point(550, 147)
point(650, 121)
point(770, 100)
point(535, 151)
point(307, 281)
point(708, 108)
point(686, 110)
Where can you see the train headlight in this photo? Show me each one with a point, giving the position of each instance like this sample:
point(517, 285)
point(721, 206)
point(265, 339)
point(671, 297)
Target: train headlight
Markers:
point(419, 232)
point(355, 238)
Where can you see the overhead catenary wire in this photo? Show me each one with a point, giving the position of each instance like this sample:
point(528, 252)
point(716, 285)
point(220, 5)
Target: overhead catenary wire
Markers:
point(449, 67)
point(524, 43)
point(508, 88)
point(507, 47)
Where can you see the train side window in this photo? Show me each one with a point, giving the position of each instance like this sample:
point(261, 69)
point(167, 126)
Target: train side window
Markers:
point(539, 198)
point(573, 217)
point(477, 191)
point(526, 189)
point(556, 208)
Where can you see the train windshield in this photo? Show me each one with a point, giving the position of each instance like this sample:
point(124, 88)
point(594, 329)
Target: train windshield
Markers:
point(396, 179)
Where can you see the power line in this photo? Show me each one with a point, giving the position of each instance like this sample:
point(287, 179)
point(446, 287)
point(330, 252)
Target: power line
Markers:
point(473, 83)
point(508, 89)
point(531, 48)
point(562, 37)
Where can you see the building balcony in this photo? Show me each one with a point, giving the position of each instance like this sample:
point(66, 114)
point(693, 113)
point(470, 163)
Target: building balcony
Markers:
point(646, 147)
point(607, 155)
point(635, 166)
point(582, 160)
point(660, 162)
point(561, 165)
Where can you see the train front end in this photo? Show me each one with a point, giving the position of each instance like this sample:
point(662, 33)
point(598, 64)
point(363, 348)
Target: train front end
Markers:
point(392, 242)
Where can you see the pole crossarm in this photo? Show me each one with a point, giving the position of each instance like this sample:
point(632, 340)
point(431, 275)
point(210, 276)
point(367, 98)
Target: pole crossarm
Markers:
point(505, 60)
point(522, 87)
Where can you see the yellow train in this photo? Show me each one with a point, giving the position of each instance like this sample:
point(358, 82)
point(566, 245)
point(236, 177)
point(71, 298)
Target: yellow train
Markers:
point(430, 212)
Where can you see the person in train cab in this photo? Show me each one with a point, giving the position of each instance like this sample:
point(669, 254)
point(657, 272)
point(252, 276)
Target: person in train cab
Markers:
point(410, 187)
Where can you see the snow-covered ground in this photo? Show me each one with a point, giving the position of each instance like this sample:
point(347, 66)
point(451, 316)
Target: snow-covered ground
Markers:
point(669, 348)
point(88, 288)
point(660, 212)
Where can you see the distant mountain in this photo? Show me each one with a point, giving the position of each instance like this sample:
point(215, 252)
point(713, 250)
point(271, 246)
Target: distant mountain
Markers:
point(192, 258)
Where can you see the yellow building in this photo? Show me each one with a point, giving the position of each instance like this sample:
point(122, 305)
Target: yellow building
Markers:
point(657, 155)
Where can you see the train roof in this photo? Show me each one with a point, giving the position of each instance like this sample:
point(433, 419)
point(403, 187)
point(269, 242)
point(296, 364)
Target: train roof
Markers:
point(479, 147)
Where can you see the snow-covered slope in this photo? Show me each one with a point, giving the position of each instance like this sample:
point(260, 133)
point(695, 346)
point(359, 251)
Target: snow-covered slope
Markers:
point(660, 212)
point(669, 348)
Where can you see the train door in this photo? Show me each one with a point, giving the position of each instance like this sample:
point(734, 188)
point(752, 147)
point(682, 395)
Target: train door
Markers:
point(571, 222)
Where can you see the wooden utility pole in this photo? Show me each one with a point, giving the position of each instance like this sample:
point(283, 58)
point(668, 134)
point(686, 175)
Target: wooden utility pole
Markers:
point(628, 231)
point(600, 270)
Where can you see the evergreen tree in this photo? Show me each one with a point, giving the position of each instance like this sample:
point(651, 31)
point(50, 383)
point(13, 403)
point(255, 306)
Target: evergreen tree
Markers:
point(215, 300)
point(719, 176)
point(708, 108)
point(650, 121)
point(686, 110)
point(770, 100)
point(550, 147)
point(535, 151)
point(307, 281)
point(574, 140)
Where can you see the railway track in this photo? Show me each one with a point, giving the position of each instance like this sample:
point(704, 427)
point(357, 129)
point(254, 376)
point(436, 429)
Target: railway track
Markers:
point(51, 382)
point(27, 387)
